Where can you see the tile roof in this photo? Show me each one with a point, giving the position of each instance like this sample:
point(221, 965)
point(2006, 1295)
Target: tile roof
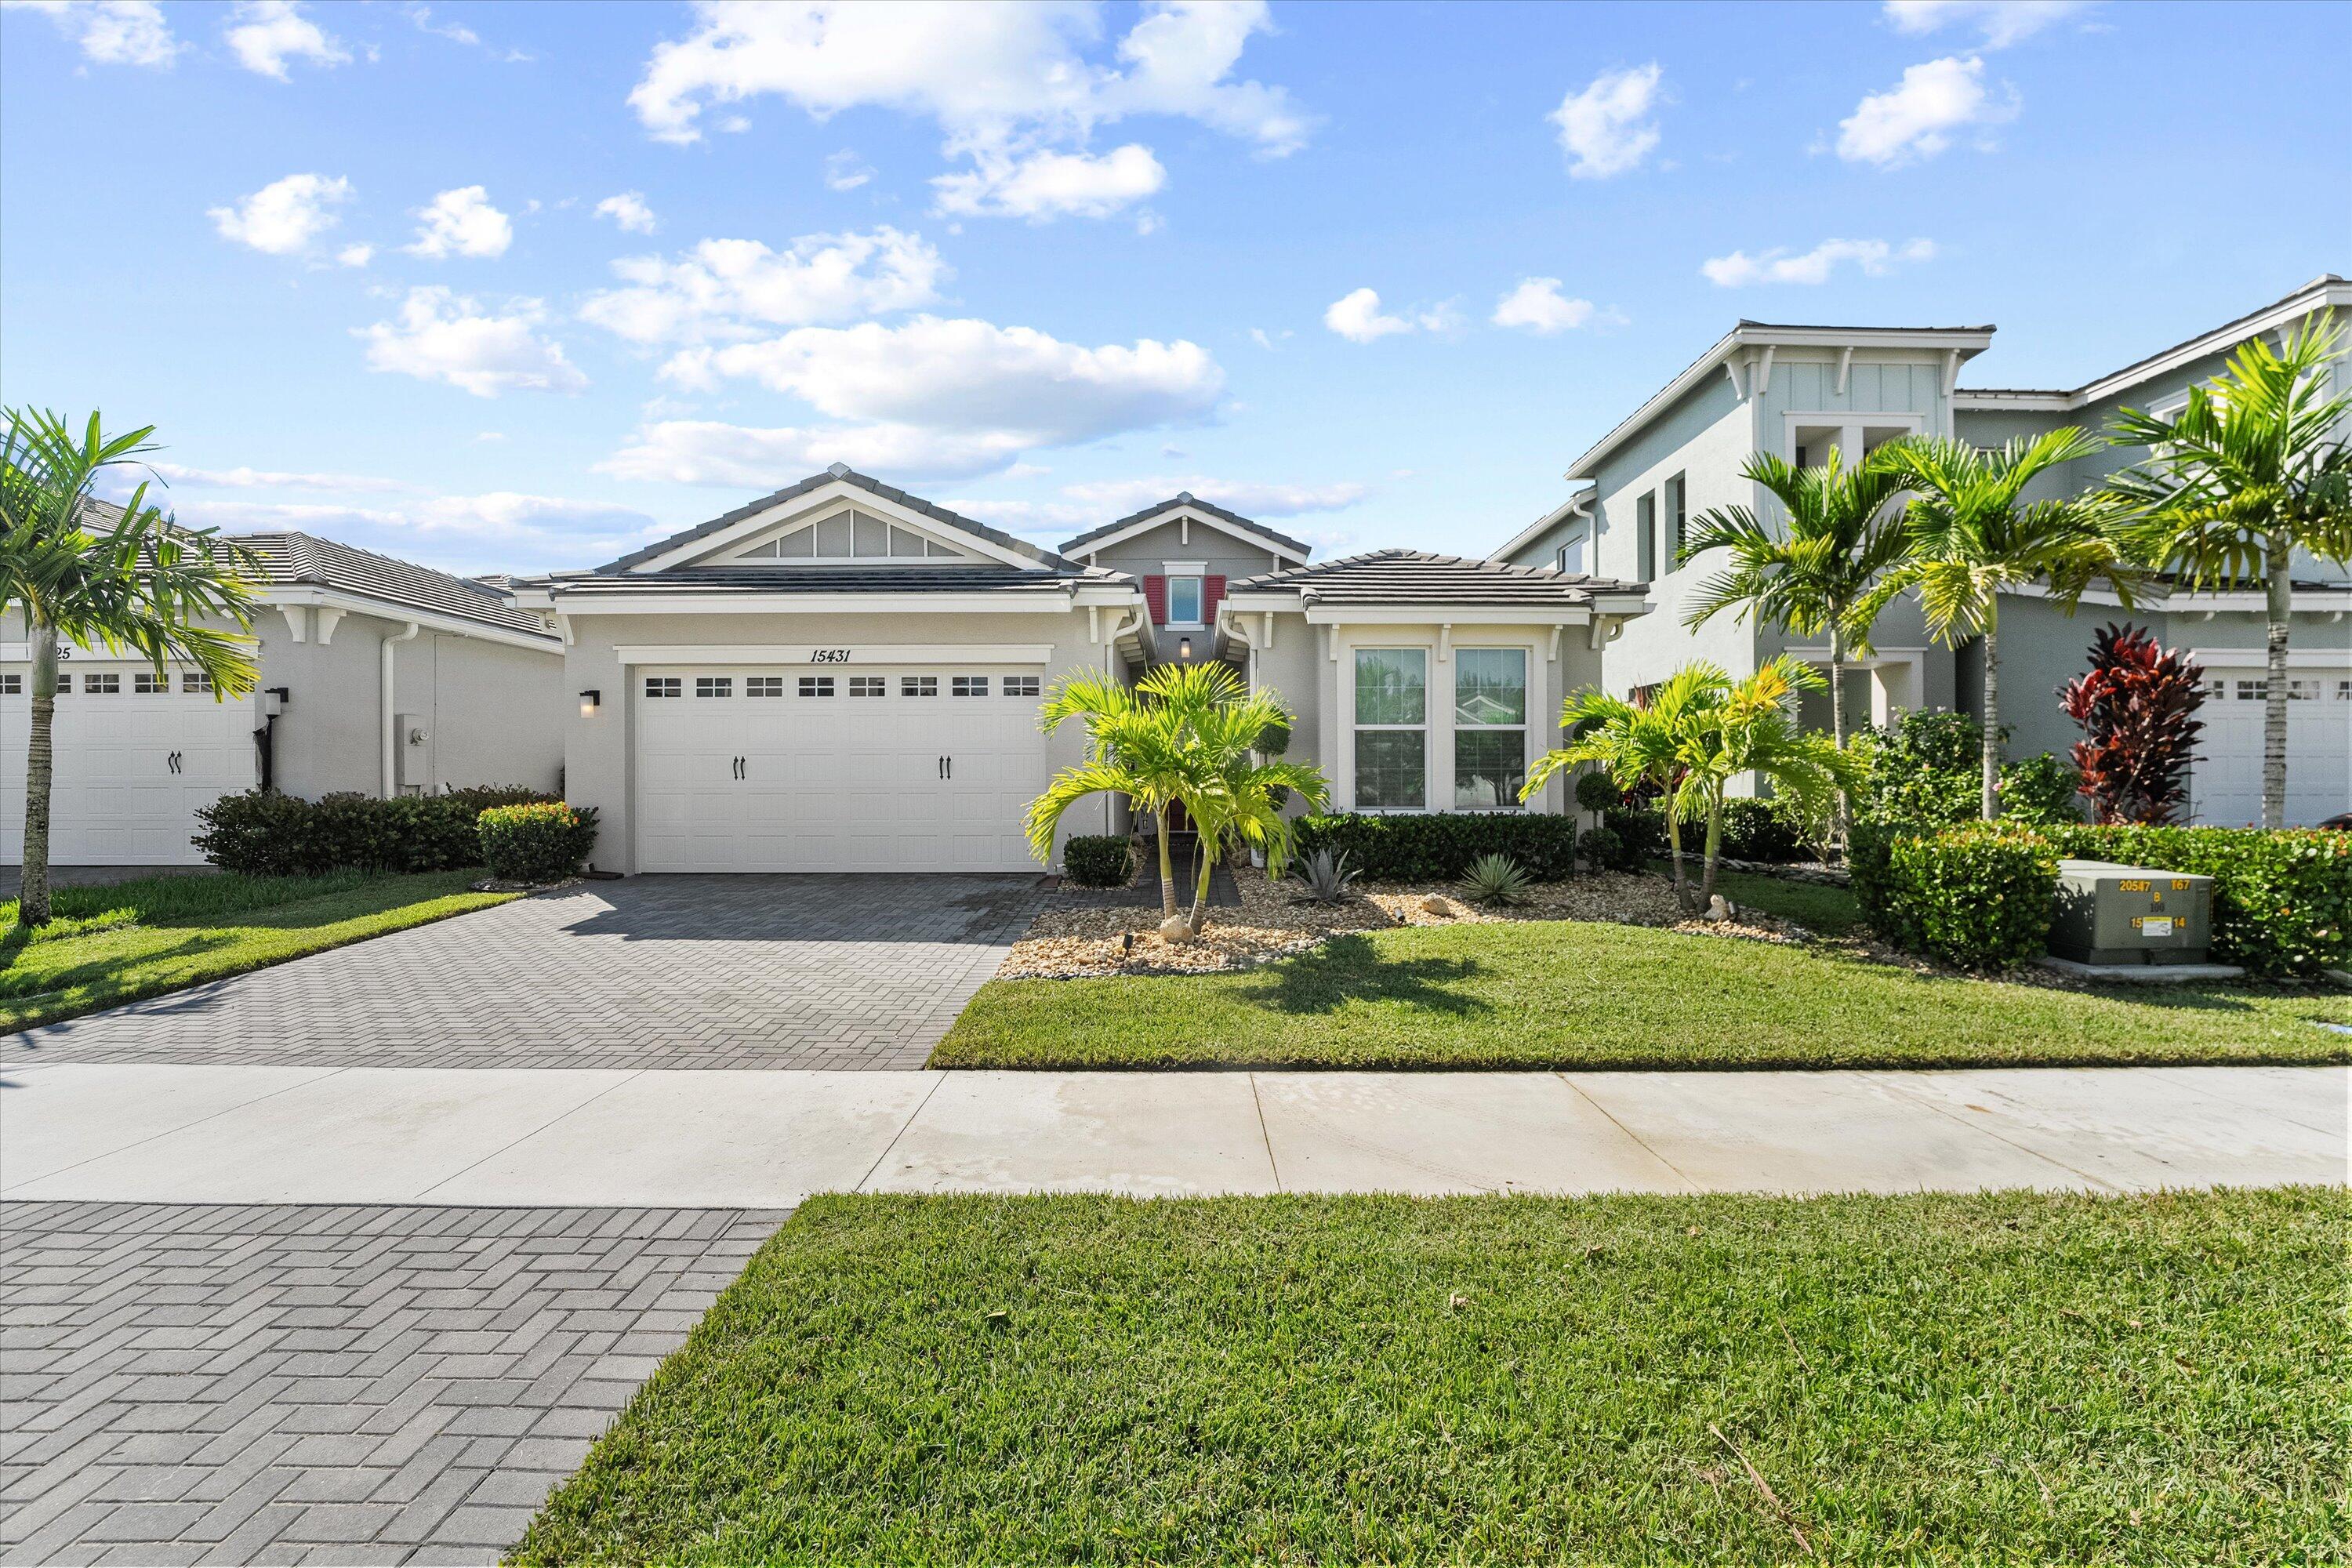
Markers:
point(1420, 577)
point(299, 560)
point(845, 474)
point(1186, 497)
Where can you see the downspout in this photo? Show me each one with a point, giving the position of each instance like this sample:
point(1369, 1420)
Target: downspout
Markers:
point(391, 740)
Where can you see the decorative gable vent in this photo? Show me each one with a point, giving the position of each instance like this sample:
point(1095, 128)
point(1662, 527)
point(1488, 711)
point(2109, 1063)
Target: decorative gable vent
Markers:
point(851, 536)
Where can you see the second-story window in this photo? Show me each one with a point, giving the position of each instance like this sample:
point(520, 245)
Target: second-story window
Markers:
point(1571, 556)
point(1645, 537)
point(1674, 514)
point(1184, 601)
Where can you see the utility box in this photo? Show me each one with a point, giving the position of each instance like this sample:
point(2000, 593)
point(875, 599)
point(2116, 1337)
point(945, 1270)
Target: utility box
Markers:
point(412, 751)
point(2130, 914)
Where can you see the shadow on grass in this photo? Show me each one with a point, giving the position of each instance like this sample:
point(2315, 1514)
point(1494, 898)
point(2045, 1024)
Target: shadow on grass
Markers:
point(18, 987)
point(1351, 969)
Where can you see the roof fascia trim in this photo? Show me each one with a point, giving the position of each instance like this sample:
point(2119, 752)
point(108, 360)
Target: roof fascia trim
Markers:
point(309, 594)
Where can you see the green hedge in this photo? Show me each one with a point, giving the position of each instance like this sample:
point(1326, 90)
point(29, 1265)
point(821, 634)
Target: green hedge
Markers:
point(2282, 901)
point(544, 841)
point(1097, 860)
point(1980, 896)
point(272, 835)
point(1752, 830)
point(1441, 846)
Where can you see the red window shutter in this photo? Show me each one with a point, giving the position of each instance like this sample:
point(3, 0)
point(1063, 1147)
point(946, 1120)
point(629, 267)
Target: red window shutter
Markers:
point(1213, 589)
point(1155, 599)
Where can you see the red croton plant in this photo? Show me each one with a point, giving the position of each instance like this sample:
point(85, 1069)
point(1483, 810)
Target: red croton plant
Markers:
point(2136, 705)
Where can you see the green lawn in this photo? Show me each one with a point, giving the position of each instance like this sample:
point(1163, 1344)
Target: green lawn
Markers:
point(1561, 994)
point(117, 944)
point(1829, 910)
point(1955, 1379)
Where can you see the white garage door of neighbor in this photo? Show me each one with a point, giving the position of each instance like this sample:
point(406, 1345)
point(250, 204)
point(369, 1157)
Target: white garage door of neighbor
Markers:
point(131, 766)
point(2226, 781)
point(854, 768)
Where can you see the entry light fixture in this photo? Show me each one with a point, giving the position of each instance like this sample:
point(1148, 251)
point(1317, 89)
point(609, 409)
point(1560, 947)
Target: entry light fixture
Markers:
point(274, 700)
point(589, 701)
point(1184, 648)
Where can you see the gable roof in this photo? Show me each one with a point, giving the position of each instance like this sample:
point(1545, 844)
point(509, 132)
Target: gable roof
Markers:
point(1183, 500)
point(302, 561)
point(840, 473)
point(2325, 291)
point(1415, 577)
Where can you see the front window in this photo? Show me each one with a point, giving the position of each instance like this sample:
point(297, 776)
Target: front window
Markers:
point(1490, 727)
point(1392, 729)
point(1184, 601)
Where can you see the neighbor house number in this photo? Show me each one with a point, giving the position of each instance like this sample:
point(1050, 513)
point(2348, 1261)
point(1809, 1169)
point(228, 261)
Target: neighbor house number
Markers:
point(828, 656)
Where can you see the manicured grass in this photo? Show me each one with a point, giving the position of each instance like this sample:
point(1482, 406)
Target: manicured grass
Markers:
point(140, 939)
point(1829, 910)
point(2005, 1378)
point(1563, 993)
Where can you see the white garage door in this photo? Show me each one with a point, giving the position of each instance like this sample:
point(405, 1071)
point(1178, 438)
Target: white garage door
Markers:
point(2226, 781)
point(853, 768)
point(135, 758)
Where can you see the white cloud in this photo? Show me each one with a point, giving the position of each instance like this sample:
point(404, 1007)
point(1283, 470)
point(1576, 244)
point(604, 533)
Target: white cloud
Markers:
point(273, 478)
point(1537, 306)
point(458, 33)
point(462, 223)
point(1606, 128)
point(733, 289)
point(285, 215)
point(1916, 117)
point(445, 337)
point(1358, 317)
point(269, 33)
point(498, 530)
point(1269, 341)
point(845, 170)
point(629, 210)
point(113, 32)
point(1086, 505)
point(1874, 257)
point(706, 452)
point(1043, 185)
point(355, 255)
point(2000, 22)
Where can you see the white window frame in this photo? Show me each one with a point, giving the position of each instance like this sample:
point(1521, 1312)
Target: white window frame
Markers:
point(195, 683)
point(1196, 573)
point(816, 686)
point(1356, 727)
point(763, 685)
point(1850, 425)
point(1579, 540)
point(1456, 728)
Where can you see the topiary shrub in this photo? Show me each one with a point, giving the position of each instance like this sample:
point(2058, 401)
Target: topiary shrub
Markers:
point(2282, 900)
point(1098, 860)
point(543, 842)
point(271, 834)
point(1597, 792)
point(1605, 850)
point(1979, 895)
point(1440, 846)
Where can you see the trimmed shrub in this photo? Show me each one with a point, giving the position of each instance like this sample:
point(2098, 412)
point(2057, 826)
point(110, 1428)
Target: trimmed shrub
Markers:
point(1605, 850)
point(1440, 848)
point(1979, 895)
point(1641, 828)
point(2282, 901)
point(1757, 830)
point(1098, 860)
point(1597, 791)
point(542, 842)
point(2041, 791)
point(271, 834)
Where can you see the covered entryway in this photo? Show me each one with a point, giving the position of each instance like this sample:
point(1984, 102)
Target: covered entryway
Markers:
point(137, 756)
point(2226, 781)
point(846, 767)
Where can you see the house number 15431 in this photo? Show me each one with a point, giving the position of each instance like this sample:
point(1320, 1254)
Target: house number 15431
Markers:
point(828, 656)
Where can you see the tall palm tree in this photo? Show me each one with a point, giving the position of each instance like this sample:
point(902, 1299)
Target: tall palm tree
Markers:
point(1754, 729)
point(1638, 746)
point(140, 585)
point(1813, 573)
point(1970, 536)
point(2253, 469)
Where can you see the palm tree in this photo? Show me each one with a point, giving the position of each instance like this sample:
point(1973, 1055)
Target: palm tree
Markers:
point(2252, 470)
point(1638, 746)
point(1754, 729)
point(140, 585)
point(1811, 574)
point(1969, 537)
point(1187, 736)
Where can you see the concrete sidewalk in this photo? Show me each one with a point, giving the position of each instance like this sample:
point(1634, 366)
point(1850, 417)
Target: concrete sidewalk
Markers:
point(765, 1140)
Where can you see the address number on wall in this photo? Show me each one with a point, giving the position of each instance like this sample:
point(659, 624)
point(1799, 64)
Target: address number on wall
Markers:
point(828, 656)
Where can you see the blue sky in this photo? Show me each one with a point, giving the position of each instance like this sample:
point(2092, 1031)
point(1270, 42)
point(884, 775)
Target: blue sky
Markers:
point(517, 286)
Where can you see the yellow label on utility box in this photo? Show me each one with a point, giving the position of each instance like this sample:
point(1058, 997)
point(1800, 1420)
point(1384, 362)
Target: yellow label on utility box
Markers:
point(2154, 925)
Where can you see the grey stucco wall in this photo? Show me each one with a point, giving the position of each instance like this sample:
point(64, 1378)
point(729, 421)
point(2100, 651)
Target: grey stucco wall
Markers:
point(1221, 554)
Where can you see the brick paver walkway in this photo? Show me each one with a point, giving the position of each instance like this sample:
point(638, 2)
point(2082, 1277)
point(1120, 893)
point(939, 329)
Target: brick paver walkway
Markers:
point(188, 1383)
point(827, 971)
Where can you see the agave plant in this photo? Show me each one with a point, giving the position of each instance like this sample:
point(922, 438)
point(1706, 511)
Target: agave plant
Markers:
point(1495, 879)
point(1326, 877)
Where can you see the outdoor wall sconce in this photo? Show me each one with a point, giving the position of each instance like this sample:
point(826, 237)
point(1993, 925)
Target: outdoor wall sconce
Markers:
point(588, 703)
point(274, 700)
point(1184, 648)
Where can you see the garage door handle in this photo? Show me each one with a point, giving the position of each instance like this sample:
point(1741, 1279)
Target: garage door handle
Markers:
point(173, 762)
point(951, 770)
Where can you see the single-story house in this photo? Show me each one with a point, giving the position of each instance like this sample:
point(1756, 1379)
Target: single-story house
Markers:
point(844, 677)
point(376, 676)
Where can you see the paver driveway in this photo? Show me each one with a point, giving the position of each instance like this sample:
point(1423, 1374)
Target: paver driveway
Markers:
point(833, 972)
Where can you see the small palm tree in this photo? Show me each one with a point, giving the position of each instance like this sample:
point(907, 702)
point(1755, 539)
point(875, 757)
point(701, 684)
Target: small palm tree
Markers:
point(142, 584)
point(1811, 574)
point(1238, 793)
point(1970, 536)
point(1755, 730)
point(2253, 469)
point(1638, 746)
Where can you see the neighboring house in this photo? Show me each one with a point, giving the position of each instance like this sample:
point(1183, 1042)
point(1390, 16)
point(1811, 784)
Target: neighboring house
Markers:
point(843, 677)
point(376, 676)
point(1800, 390)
